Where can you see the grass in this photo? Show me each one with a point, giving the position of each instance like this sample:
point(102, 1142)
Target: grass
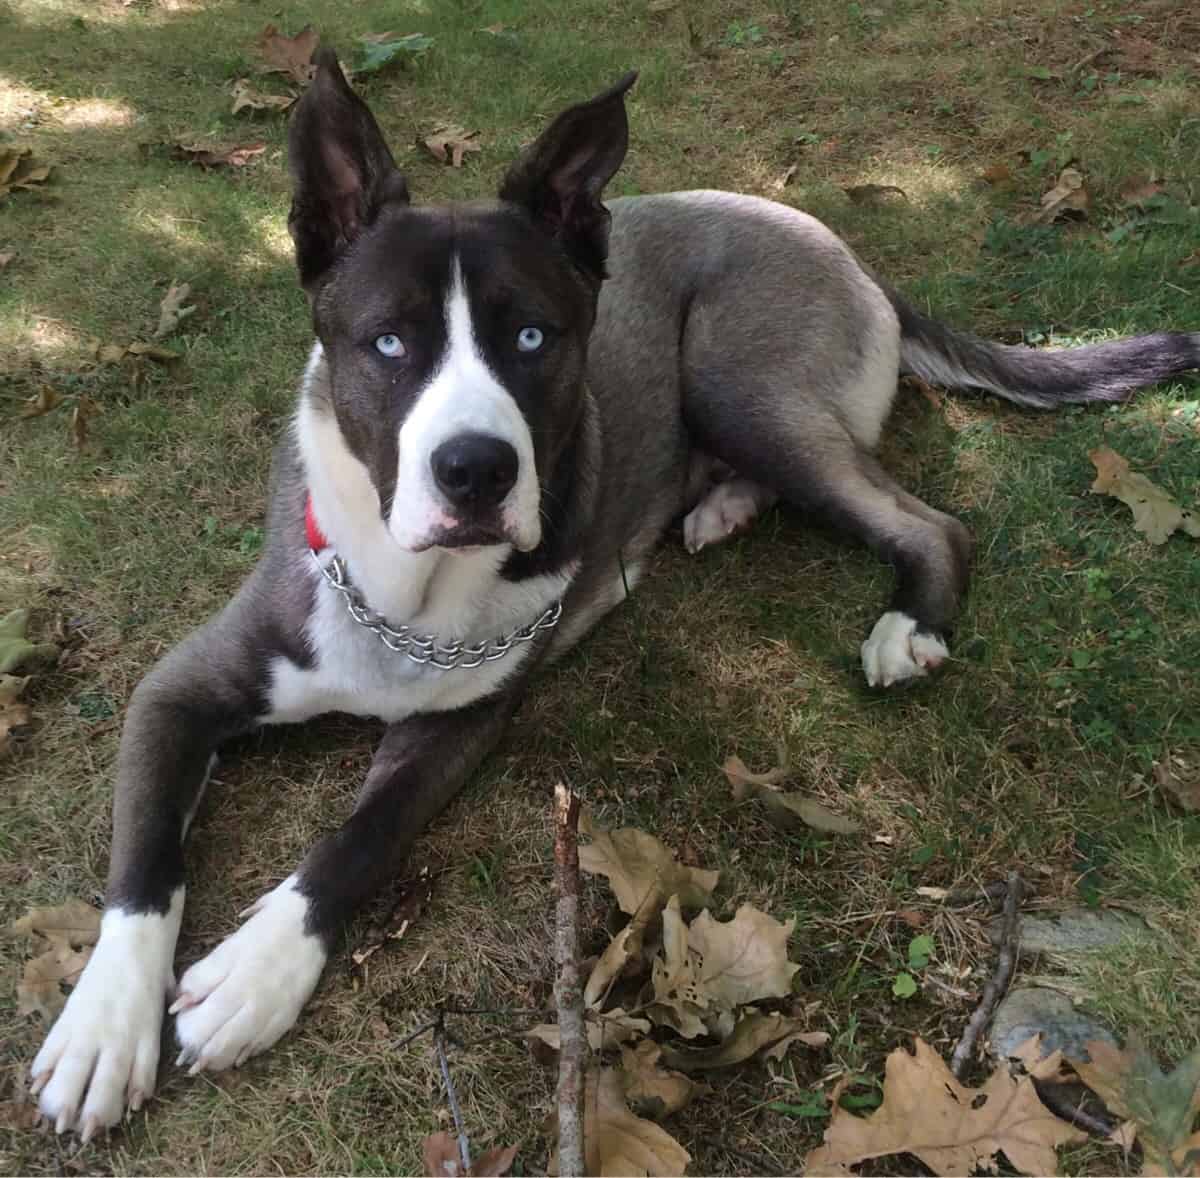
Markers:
point(1074, 662)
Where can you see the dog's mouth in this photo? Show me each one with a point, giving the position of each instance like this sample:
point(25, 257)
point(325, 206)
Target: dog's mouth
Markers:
point(465, 537)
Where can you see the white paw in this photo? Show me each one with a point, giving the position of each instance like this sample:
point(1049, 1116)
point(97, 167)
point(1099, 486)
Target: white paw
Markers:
point(101, 1056)
point(895, 651)
point(250, 989)
point(730, 507)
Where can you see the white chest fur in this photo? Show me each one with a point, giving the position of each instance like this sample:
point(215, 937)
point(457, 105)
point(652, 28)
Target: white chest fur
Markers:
point(353, 671)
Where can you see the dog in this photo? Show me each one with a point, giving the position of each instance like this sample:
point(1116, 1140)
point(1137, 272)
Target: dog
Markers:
point(507, 405)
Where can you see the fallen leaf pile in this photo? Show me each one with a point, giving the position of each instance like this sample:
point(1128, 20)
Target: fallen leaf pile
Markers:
point(786, 810)
point(19, 170)
point(449, 144)
point(1155, 514)
point(64, 937)
point(951, 1128)
point(700, 981)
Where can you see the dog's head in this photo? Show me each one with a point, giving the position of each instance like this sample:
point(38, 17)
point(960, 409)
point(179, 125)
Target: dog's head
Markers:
point(455, 336)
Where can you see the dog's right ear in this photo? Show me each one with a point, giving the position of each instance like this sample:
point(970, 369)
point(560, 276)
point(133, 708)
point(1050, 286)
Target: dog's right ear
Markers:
point(341, 169)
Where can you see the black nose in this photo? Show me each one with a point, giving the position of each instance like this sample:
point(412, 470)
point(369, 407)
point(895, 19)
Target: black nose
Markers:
point(474, 470)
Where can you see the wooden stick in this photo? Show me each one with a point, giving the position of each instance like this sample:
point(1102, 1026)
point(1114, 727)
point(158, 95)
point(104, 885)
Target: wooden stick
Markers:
point(568, 986)
point(997, 983)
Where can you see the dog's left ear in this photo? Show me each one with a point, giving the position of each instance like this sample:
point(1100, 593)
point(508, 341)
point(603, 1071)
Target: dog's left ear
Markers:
point(341, 168)
point(559, 178)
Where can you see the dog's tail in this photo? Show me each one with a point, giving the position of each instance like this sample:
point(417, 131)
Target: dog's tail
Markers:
point(1042, 379)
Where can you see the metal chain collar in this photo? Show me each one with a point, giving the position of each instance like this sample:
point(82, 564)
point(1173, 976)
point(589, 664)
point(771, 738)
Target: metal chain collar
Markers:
point(428, 649)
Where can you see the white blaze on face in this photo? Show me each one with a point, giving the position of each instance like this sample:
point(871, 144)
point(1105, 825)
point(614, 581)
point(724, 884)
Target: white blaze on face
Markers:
point(462, 397)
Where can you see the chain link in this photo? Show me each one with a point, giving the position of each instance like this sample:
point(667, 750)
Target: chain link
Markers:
point(426, 649)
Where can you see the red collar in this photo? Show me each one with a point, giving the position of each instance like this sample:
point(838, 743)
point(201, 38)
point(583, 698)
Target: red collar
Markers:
point(312, 530)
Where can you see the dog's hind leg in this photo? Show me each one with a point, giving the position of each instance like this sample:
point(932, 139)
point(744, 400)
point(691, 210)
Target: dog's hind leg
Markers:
point(726, 510)
point(814, 464)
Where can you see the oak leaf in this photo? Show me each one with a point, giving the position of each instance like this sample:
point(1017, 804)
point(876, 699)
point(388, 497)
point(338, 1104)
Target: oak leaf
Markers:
point(638, 867)
point(12, 714)
point(171, 311)
point(288, 55)
point(207, 157)
point(652, 1090)
point(245, 97)
point(1163, 1105)
point(680, 1000)
point(1155, 514)
point(1180, 780)
point(616, 1142)
point(6, 256)
point(450, 143)
point(754, 1032)
point(604, 1031)
point(785, 810)
point(743, 959)
point(951, 1128)
point(40, 989)
point(74, 924)
point(19, 169)
point(43, 401)
point(1068, 197)
point(15, 648)
point(439, 1151)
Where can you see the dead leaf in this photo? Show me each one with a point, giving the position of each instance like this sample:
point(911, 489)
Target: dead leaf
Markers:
point(12, 714)
point(785, 810)
point(1137, 55)
point(1180, 780)
point(743, 959)
point(652, 1090)
point(638, 867)
point(784, 180)
point(754, 1032)
point(74, 924)
point(1068, 197)
point(874, 194)
point(1155, 514)
point(206, 157)
point(1132, 1085)
point(997, 175)
point(19, 170)
point(85, 409)
point(245, 97)
point(604, 1031)
point(15, 649)
point(288, 55)
point(679, 998)
point(624, 946)
point(951, 1128)
point(6, 256)
point(440, 1154)
point(1137, 190)
point(39, 990)
point(171, 310)
point(618, 1143)
point(45, 399)
point(449, 144)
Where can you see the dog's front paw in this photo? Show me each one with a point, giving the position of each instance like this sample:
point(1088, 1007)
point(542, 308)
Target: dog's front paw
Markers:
point(896, 651)
point(101, 1056)
point(250, 989)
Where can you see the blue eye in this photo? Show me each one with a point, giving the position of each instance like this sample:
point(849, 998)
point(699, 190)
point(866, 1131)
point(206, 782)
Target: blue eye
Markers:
point(529, 339)
point(389, 345)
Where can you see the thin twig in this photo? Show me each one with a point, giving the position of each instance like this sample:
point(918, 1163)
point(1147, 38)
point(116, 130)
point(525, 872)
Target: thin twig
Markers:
point(568, 985)
point(464, 1146)
point(997, 983)
point(424, 1028)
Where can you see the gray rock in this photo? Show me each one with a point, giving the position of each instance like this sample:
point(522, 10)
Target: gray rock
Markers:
point(1024, 1013)
point(1075, 930)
